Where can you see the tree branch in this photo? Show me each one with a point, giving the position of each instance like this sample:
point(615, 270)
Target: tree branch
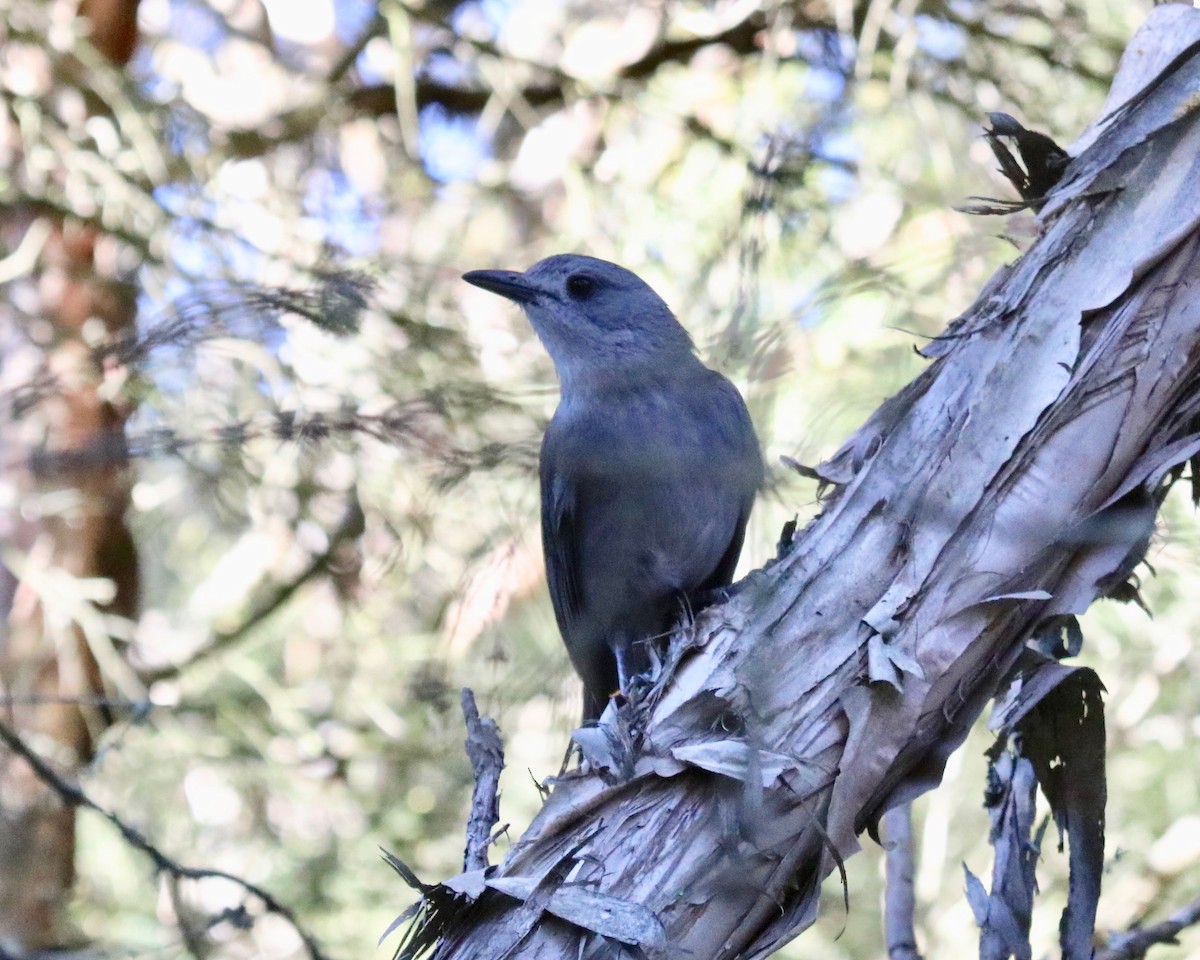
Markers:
point(900, 898)
point(1133, 944)
point(73, 795)
point(278, 594)
point(487, 761)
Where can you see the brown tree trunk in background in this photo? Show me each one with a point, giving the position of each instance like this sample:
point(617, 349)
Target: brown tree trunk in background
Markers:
point(71, 518)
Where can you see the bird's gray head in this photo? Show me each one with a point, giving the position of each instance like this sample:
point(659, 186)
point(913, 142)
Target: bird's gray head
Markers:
point(598, 321)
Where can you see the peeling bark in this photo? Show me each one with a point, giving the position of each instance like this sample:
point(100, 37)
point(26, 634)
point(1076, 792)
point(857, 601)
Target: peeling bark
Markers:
point(1015, 481)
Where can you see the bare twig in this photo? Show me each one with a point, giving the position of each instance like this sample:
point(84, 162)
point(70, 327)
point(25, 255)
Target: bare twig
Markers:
point(899, 903)
point(1132, 944)
point(73, 795)
point(487, 760)
point(349, 527)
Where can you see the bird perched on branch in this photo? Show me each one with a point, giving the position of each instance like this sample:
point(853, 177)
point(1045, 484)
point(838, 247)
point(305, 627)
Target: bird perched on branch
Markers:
point(648, 469)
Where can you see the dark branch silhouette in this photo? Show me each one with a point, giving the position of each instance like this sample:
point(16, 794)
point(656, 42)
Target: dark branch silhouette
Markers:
point(73, 795)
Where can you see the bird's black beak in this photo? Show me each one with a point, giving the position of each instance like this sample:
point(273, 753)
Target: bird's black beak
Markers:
point(507, 283)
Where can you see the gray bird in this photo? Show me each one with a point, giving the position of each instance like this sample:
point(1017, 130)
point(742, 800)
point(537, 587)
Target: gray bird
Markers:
point(648, 468)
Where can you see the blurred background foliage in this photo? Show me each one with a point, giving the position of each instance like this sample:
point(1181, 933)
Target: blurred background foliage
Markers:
point(337, 528)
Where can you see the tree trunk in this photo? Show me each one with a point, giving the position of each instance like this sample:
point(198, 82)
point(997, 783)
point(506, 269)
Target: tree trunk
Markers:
point(1015, 481)
point(71, 520)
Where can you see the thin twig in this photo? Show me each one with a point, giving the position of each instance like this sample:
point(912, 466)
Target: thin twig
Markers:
point(347, 528)
point(1132, 944)
point(73, 795)
point(487, 760)
point(899, 903)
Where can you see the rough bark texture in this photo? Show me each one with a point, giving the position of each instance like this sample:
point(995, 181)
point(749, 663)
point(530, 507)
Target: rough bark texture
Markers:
point(1016, 480)
point(72, 520)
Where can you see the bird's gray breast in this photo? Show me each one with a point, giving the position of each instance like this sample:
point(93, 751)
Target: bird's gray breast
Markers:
point(659, 481)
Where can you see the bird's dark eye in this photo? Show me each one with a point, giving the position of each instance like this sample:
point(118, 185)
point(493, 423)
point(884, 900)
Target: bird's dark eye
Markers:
point(580, 286)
